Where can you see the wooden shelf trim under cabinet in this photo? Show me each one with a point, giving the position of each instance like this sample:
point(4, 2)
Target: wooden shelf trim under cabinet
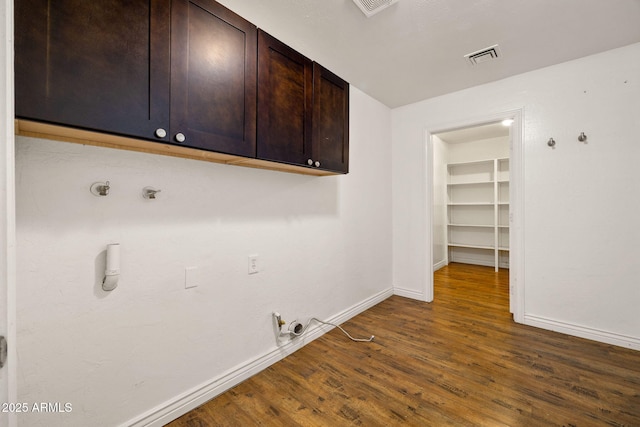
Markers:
point(79, 136)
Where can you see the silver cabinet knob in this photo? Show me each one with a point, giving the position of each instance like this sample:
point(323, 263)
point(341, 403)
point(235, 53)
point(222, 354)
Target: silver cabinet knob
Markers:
point(310, 162)
point(317, 164)
point(161, 133)
point(180, 137)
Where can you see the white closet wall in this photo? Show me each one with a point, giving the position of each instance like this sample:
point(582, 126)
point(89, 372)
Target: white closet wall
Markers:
point(482, 149)
point(440, 156)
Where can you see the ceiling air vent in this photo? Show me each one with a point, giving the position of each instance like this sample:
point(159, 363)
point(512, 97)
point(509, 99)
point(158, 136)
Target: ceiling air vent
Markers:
point(371, 7)
point(487, 54)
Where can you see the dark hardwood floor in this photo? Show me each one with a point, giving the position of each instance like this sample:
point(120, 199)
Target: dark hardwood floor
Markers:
point(459, 361)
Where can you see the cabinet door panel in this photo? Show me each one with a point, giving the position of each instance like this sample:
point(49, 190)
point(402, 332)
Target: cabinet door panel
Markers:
point(96, 65)
point(285, 83)
point(330, 120)
point(213, 78)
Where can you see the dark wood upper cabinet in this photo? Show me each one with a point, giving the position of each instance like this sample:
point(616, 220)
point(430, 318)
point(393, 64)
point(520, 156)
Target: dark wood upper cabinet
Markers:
point(330, 120)
point(99, 65)
point(189, 73)
point(285, 86)
point(182, 72)
point(303, 109)
point(213, 78)
point(285, 90)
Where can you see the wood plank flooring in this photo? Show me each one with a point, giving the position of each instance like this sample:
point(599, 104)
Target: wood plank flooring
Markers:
point(459, 361)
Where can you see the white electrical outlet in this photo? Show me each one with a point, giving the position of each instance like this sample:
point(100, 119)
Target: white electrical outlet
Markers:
point(253, 264)
point(190, 279)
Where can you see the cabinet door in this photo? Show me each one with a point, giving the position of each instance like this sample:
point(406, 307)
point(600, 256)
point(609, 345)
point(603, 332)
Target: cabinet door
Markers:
point(213, 78)
point(330, 120)
point(99, 65)
point(285, 91)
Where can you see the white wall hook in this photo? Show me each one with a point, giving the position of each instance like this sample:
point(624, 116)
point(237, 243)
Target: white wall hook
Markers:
point(582, 137)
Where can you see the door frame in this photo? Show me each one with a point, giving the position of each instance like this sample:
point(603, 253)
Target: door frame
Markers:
point(516, 201)
point(8, 374)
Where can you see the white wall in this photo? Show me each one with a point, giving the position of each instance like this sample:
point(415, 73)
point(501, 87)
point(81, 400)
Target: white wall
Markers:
point(439, 226)
point(580, 200)
point(324, 246)
point(482, 149)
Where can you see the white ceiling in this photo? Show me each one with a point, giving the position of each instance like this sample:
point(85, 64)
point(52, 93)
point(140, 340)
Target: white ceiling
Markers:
point(415, 49)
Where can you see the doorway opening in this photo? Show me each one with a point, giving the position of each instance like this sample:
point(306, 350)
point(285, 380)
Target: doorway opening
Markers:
point(473, 197)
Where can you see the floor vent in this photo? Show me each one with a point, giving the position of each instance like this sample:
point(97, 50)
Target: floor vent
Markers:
point(487, 54)
point(371, 7)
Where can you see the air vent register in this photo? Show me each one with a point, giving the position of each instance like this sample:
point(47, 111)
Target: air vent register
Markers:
point(483, 55)
point(371, 7)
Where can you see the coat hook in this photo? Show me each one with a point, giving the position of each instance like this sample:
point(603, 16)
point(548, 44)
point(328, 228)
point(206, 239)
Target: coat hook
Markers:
point(551, 142)
point(100, 188)
point(582, 137)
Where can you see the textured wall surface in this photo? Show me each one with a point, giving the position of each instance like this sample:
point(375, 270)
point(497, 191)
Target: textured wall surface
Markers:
point(580, 199)
point(324, 245)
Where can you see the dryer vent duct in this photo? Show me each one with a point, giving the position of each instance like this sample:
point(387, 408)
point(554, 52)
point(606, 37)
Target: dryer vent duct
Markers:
point(371, 7)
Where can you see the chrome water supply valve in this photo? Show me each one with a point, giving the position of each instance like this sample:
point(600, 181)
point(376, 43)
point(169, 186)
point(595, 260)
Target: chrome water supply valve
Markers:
point(100, 188)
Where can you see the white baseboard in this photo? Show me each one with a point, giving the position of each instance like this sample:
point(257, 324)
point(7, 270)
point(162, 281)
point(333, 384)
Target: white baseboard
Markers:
point(583, 332)
point(477, 261)
point(438, 265)
point(191, 399)
point(471, 260)
point(409, 293)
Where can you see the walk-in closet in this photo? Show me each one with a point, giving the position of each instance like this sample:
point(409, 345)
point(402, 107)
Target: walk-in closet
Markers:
point(471, 196)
